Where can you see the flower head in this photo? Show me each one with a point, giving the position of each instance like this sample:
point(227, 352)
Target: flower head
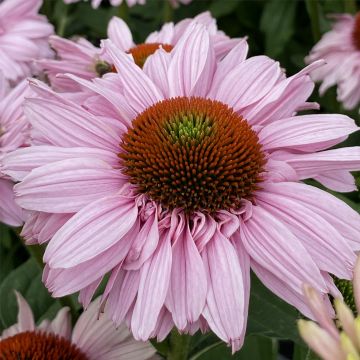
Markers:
point(81, 58)
point(325, 338)
point(340, 48)
point(22, 25)
point(93, 337)
point(14, 133)
point(182, 181)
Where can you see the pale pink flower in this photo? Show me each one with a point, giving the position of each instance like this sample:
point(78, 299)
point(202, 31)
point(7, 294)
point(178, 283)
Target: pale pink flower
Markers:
point(23, 38)
point(14, 133)
point(325, 338)
point(340, 48)
point(94, 337)
point(184, 180)
point(81, 58)
point(95, 3)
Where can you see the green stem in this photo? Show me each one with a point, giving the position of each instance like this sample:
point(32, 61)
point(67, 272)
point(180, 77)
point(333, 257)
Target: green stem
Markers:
point(61, 25)
point(168, 11)
point(179, 346)
point(313, 10)
point(350, 6)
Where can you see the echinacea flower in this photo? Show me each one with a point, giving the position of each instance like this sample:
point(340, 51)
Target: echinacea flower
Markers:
point(94, 337)
point(23, 38)
point(14, 133)
point(183, 180)
point(95, 3)
point(340, 48)
point(325, 338)
point(81, 58)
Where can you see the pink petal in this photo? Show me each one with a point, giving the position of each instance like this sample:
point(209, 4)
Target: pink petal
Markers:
point(10, 212)
point(144, 244)
point(19, 163)
point(188, 283)
point(192, 65)
point(337, 180)
point(307, 132)
point(61, 325)
point(64, 125)
point(226, 297)
point(270, 243)
point(25, 316)
point(139, 90)
point(122, 294)
point(119, 33)
point(62, 282)
point(248, 82)
point(327, 247)
point(91, 231)
point(67, 186)
point(153, 287)
point(341, 216)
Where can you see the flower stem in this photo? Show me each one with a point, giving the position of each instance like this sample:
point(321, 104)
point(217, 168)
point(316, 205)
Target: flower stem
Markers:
point(179, 346)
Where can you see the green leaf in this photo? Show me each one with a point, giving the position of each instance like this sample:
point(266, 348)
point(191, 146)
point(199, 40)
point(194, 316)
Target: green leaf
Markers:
point(27, 280)
point(220, 7)
point(269, 315)
point(254, 348)
point(303, 353)
point(278, 22)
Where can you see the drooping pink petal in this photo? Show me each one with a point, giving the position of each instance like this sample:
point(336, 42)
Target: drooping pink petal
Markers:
point(153, 287)
point(325, 244)
point(91, 231)
point(188, 283)
point(271, 244)
point(226, 298)
point(341, 216)
point(10, 212)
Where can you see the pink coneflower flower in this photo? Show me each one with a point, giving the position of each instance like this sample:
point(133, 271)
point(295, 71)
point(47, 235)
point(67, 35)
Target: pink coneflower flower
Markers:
point(340, 48)
point(23, 37)
point(326, 339)
point(184, 180)
point(14, 133)
point(93, 337)
point(95, 3)
point(83, 59)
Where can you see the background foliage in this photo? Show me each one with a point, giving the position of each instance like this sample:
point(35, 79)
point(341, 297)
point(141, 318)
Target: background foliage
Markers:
point(285, 30)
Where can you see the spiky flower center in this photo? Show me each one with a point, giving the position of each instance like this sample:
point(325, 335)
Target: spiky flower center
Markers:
point(142, 51)
point(356, 31)
point(37, 345)
point(193, 153)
